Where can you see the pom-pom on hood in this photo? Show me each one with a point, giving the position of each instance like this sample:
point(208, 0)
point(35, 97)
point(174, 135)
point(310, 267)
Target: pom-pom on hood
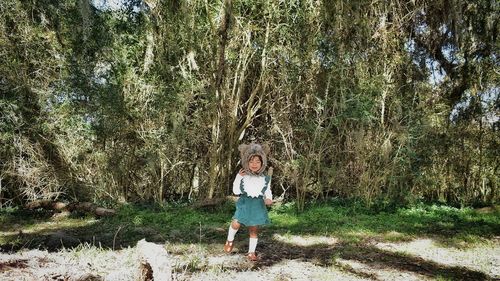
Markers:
point(249, 150)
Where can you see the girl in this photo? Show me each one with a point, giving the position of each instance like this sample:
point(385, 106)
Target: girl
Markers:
point(255, 192)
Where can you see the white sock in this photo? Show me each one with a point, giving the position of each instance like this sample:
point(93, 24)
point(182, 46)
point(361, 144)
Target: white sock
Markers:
point(231, 233)
point(252, 245)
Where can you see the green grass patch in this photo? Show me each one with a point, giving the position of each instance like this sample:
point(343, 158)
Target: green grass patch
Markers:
point(352, 222)
point(182, 224)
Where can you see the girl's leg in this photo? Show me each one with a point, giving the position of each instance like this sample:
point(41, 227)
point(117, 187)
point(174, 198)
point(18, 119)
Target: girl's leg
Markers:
point(253, 231)
point(233, 228)
point(235, 224)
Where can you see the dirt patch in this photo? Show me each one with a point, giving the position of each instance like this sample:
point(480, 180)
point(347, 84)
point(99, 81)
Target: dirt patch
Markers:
point(12, 264)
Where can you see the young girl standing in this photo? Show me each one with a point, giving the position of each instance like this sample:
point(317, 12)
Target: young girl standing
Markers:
point(254, 189)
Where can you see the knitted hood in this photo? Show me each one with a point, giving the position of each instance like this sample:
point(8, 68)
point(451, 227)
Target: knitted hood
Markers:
point(249, 150)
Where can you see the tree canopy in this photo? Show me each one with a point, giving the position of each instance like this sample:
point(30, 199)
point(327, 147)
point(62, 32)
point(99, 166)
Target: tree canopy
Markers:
point(381, 101)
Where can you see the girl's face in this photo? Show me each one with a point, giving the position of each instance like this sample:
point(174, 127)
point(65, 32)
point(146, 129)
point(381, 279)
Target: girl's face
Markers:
point(255, 164)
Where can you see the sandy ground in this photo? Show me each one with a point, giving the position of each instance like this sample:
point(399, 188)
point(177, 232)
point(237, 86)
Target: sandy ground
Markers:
point(282, 258)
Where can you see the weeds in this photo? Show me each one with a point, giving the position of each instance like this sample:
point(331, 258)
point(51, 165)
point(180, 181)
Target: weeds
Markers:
point(331, 233)
point(182, 224)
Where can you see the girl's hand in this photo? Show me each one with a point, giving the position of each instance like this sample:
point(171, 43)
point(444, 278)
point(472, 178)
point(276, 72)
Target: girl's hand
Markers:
point(241, 172)
point(268, 202)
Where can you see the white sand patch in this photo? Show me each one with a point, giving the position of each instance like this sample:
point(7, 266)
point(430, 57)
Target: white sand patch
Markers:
point(244, 276)
point(225, 259)
point(196, 263)
point(305, 241)
point(69, 264)
point(481, 258)
point(40, 265)
point(286, 270)
point(300, 270)
point(381, 273)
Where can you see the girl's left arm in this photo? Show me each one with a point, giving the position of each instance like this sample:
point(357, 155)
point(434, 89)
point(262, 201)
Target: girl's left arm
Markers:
point(268, 193)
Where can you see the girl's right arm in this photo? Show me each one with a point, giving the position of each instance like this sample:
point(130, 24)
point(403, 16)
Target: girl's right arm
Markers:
point(237, 182)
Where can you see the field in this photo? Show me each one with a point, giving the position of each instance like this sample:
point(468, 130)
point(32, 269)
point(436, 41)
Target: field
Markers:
point(333, 240)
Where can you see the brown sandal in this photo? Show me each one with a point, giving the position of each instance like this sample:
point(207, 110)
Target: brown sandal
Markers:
point(252, 256)
point(228, 247)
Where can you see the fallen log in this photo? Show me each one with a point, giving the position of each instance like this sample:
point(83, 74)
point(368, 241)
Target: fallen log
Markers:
point(84, 207)
point(214, 202)
point(208, 203)
point(486, 210)
point(88, 207)
point(154, 262)
point(47, 205)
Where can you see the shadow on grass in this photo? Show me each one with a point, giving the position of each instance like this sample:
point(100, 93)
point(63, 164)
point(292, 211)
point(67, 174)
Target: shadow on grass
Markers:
point(24, 229)
point(447, 225)
point(21, 218)
point(187, 225)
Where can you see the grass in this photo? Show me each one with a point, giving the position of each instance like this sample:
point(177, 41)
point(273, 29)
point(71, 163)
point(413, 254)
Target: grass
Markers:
point(352, 222)
point(334, 235)
point(174, 223)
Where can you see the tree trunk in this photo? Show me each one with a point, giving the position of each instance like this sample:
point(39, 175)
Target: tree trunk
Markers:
point(154, 262)
point(217, 146)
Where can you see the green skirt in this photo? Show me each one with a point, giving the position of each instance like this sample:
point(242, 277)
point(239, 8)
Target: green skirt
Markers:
point(251, 211)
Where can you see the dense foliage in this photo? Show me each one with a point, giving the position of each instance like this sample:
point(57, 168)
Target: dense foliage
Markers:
point(382, 101)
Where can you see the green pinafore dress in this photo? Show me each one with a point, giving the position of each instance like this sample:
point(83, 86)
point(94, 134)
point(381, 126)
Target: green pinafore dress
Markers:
point(252, 211)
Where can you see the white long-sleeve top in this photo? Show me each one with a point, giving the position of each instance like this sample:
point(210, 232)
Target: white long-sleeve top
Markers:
point(252, 185)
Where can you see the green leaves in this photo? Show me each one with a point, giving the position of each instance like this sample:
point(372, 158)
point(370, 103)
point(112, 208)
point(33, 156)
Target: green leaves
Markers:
point(149, 102)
